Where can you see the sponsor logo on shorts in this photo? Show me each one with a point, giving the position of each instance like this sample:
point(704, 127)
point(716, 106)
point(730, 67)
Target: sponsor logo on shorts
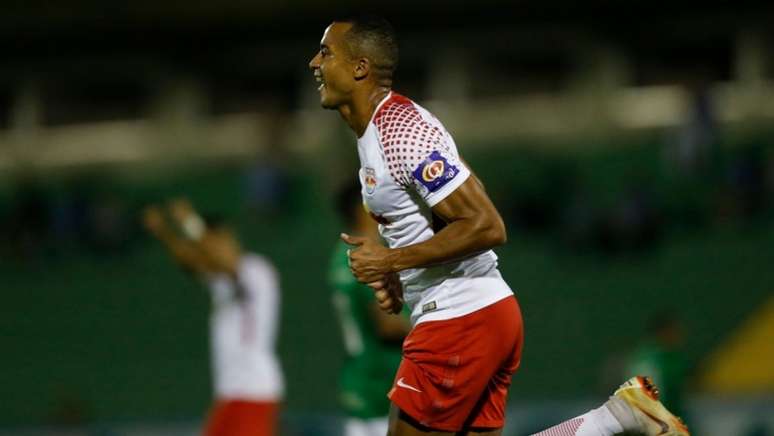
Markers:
point(402, 384)
point(435, 171)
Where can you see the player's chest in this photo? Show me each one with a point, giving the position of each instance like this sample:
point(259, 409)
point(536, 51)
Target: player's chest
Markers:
point(381, 193)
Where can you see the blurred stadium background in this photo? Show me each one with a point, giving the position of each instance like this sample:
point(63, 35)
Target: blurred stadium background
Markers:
point(629, 146)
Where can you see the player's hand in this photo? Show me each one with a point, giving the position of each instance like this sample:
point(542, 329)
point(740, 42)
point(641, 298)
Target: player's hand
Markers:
point(180, 209)
point(153, 219)
point(369, 260)
point(388, 293)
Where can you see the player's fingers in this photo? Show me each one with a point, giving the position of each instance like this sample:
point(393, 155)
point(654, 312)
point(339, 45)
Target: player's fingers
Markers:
point(362, 276)
point(355, 271)
point(396, 304)
point(386, 305)
point(394, 285)
point(353, 240)
point(381, 295)
point(377, 285)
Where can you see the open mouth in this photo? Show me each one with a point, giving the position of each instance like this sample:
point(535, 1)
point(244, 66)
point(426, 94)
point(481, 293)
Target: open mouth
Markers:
point(319, 79)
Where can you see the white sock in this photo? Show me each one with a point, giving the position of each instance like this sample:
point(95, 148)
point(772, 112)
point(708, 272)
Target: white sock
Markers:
point(596, 422)
point(623, 414)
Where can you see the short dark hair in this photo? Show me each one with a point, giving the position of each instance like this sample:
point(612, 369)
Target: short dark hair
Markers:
point(373, 37)
point(348, 200)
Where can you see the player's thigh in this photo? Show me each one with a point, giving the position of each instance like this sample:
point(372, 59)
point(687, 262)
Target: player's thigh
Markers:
point(400, 426)
point(489, 412)
point(496, 432)
point(455, 373)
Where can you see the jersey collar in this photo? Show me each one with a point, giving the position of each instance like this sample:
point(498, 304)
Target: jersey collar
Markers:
point(376, 110)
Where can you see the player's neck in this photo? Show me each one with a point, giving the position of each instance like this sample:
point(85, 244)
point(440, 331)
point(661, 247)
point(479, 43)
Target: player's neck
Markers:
point(357, 114)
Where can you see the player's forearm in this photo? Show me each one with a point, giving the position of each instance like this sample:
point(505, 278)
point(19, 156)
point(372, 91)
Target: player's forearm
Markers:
point(182, 250)
point(459, 239)
point(170, 240)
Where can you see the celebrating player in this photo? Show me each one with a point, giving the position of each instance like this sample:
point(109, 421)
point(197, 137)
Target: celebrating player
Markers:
point(467, 336)
point(245, 311)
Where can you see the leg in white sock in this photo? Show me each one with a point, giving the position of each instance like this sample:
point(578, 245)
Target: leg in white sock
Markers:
point(597, 422)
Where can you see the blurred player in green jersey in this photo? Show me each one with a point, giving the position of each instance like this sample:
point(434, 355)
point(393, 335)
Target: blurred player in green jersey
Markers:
point(372, 337)
point(660, 355)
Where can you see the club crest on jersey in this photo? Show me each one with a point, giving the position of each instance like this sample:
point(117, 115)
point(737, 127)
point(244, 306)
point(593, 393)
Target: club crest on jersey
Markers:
point(435, 171)
point(369, 181)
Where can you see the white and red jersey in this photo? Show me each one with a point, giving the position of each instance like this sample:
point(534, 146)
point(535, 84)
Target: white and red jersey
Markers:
point(408, 164)
point(243, 330)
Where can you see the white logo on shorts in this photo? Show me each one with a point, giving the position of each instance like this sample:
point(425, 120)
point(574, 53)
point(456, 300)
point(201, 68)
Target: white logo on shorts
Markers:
point(404, 385)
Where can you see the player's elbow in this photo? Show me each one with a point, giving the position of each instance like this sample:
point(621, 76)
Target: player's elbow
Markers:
point(500, 236)
point(494, 233)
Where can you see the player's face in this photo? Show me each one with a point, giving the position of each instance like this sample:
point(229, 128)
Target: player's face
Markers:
point(333, 68)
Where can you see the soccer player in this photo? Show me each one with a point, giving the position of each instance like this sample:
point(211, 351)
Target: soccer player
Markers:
point(372, 337)
point(660, 355)
point(243, 324)
point(467, 332)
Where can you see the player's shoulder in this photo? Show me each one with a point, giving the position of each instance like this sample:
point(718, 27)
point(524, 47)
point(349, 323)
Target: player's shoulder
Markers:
point(402, 123)
point(257, 264)
point(400, 112)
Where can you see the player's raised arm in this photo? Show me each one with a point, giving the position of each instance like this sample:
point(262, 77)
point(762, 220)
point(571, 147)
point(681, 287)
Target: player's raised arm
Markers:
point(184, 251)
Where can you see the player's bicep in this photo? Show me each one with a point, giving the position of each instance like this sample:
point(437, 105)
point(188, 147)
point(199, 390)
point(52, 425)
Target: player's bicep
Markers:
point(472, 173)
point(468, 201)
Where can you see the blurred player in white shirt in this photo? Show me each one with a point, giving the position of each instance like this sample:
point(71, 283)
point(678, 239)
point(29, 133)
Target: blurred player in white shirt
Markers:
point(248, 382)
point(440, 227)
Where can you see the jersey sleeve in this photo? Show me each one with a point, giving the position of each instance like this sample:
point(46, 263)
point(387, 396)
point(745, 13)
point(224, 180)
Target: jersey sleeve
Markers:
point(420, 155)
point(256, 276)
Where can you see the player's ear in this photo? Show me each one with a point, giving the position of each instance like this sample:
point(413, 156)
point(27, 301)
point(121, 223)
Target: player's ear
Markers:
point(362, 68)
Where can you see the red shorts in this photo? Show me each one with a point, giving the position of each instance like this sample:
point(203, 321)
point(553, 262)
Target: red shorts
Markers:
point(455, 373)
point(242, 418)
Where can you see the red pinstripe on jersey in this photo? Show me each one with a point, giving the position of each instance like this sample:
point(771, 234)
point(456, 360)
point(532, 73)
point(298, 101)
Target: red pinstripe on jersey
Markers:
point(567, 428)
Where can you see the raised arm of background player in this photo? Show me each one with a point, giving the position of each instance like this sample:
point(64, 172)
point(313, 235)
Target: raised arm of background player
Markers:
point(217, 244)
point(203, 251)
point(473, 226)
point(185, 251)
